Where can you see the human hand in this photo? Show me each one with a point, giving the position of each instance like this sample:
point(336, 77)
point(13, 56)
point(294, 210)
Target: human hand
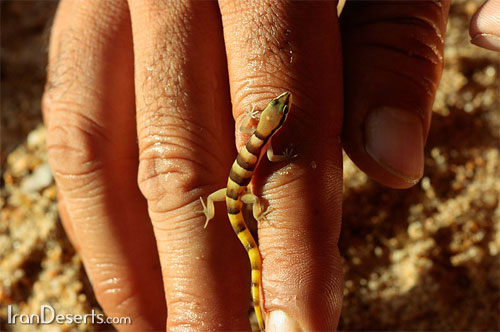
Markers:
point(180, 116)
point(176, 68)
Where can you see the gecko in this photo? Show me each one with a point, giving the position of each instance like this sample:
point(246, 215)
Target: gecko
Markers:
point(237, 192)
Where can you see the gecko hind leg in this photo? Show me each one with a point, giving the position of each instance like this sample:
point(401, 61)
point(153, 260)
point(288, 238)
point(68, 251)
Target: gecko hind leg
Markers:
point(209, 208)
point(259, 211)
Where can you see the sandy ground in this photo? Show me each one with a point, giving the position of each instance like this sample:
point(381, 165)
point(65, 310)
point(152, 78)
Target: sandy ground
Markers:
point(427, 258)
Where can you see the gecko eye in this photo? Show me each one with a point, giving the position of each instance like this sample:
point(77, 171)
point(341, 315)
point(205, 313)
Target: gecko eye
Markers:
point(285, 109)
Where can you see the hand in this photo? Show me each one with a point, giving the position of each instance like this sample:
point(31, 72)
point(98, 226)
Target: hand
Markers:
point(139, 121)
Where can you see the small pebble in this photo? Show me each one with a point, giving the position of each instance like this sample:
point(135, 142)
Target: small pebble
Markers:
point(39, 179)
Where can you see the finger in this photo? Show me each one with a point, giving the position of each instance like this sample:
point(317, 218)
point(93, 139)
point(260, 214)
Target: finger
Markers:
point(89, 112)
point(186, 143)
point(393, 54)
point(484, 26)
point(66, 222)
point(274, 46)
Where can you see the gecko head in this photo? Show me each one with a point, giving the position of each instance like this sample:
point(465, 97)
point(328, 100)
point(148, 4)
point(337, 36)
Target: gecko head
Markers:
point(282, 102)
point(274, 114)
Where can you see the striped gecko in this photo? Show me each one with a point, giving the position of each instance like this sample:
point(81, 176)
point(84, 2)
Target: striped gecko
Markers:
point(237, 193)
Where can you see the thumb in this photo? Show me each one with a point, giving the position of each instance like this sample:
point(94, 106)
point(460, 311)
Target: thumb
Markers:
point(485, 26)
point(393, 53)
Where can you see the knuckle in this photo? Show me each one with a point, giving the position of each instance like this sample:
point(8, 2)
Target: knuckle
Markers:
point(175, 154)
point(162, 178)
point(168, 168)
point(258, 92)
point(402, 52)
point(414, 31)
point(73, 144)
point(319, 277)
point(425, 39)
point(114, 293)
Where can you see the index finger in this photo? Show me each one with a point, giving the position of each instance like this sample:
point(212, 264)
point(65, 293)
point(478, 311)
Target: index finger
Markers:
point(294, 46)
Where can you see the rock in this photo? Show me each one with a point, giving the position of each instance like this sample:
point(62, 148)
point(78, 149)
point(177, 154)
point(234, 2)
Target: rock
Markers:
point(39, 179)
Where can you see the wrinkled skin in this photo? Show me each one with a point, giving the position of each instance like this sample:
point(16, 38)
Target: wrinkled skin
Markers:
point(140, 125)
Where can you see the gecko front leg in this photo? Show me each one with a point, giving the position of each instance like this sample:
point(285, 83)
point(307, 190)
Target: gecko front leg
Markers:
point(245, 124)
point(287, 154)
point(209, 208)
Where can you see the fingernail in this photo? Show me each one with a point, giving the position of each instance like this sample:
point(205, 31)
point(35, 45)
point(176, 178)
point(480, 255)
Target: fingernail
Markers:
point(279, 321)
point(394, 139)
point(487, 40)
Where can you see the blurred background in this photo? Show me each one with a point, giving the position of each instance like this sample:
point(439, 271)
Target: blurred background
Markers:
point(427, 258)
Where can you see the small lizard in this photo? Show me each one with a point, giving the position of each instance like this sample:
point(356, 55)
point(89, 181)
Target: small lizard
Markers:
point(237, 193)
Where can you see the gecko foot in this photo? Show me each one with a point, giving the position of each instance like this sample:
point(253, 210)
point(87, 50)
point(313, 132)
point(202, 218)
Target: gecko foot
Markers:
point(289, 153)
point(253, 113)
point(263, 215)
point(205, 212)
